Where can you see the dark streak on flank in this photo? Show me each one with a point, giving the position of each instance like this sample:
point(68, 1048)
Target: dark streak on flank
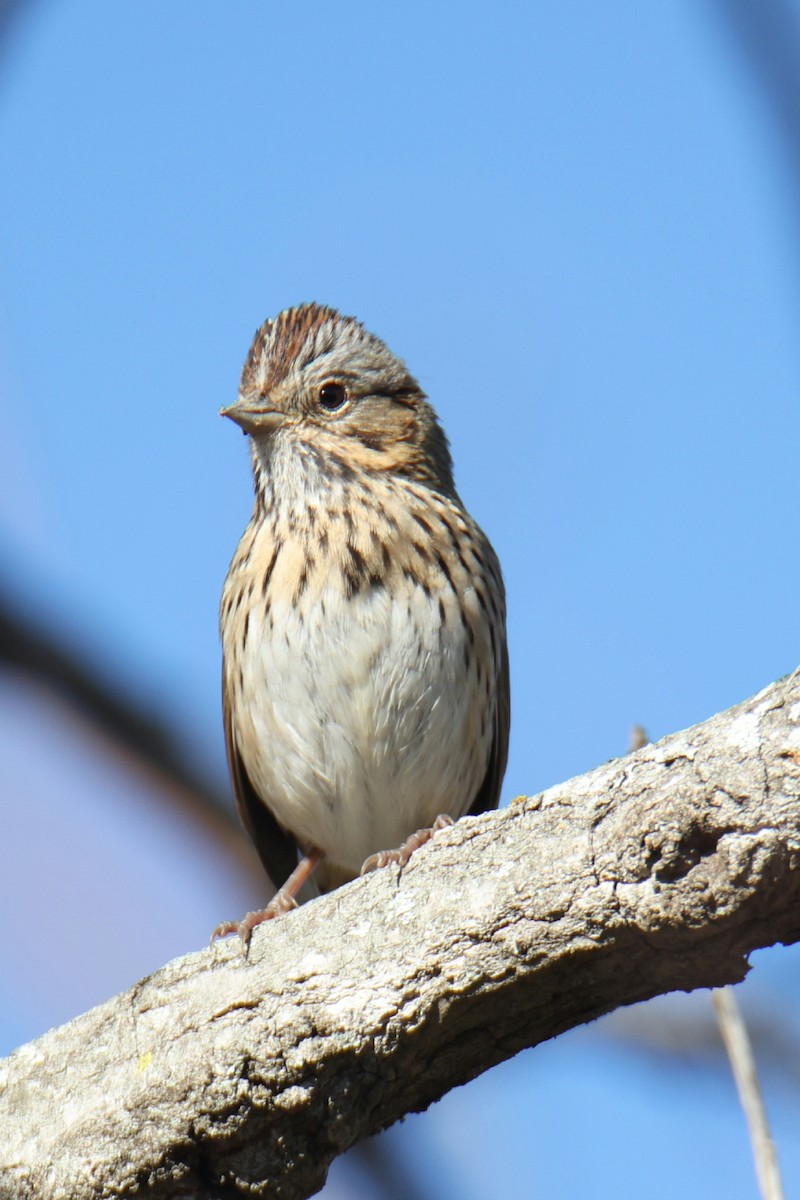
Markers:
point(416, 579)
point(493, 640)
point(456, 544)
point(270, 568)
point(451, 533)
point(443, 567)
point(352, 583)
point(356, 574)
point(482, 600)
point(357, 560)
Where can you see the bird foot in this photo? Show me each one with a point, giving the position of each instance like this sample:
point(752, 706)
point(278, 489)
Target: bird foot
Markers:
point(403, 853)
point(282, 902)
point(278, 905)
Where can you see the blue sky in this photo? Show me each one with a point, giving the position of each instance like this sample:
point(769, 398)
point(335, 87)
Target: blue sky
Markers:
point(575, 222)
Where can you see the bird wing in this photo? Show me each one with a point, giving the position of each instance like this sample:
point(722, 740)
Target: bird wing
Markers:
point(489, 791)
point(276, 848)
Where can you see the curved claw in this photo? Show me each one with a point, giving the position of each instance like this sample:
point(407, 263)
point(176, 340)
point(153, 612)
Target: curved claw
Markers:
point(282, 902)
point(403, 853)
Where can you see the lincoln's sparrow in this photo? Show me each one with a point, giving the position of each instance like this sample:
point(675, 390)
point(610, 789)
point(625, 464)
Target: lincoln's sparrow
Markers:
point(365, 676)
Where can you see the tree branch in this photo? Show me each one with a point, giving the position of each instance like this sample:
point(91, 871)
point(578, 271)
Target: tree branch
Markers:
point(221, 1076)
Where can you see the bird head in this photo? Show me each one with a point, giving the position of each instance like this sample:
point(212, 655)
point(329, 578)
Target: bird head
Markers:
point(323, 381)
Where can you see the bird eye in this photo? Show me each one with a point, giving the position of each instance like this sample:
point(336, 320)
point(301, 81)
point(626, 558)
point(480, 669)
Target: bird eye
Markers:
point(332, 396)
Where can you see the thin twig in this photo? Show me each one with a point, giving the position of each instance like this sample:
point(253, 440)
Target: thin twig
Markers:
point(740, 1053)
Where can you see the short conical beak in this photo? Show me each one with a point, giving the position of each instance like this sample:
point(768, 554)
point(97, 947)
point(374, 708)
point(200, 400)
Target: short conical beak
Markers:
point(252, 418)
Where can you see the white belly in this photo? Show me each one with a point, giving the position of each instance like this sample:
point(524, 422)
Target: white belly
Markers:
point(361, 723)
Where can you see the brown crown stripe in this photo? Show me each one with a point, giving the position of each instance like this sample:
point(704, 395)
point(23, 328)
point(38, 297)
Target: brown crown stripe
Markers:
point(278, 343)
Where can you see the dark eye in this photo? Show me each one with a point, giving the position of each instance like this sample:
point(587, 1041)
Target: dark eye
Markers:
point(332, 396)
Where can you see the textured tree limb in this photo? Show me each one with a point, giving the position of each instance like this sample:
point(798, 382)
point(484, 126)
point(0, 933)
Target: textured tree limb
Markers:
point(220, 1077)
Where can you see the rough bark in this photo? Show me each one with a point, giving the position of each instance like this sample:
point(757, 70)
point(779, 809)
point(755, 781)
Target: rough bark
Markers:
point(221, 1076)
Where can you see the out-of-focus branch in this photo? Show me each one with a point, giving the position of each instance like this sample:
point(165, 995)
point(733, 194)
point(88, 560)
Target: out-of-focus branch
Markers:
point(12, 15)
point(766, 38)
point(35, 652)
